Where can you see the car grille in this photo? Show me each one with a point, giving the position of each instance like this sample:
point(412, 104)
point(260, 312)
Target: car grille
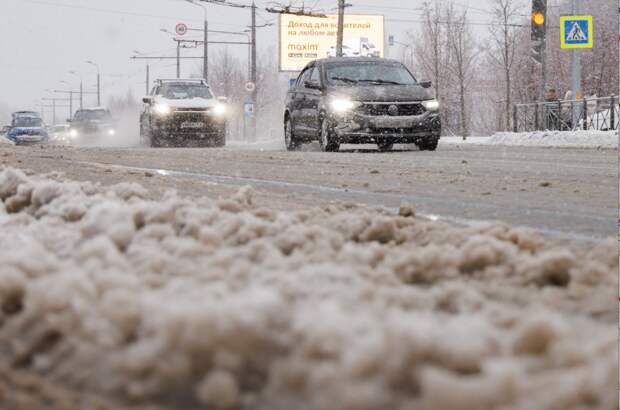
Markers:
point(191, 110)
point(379, 109)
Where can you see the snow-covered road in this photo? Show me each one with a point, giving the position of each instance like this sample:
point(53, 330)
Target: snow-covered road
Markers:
point(571, 192)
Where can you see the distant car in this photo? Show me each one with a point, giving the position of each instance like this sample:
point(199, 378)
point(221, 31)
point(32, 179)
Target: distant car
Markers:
point(60, 133)
point(359, 47)
point(346, 52)
point(180, 112)
point(91, 125)
point(27, 127)
point(360, 101)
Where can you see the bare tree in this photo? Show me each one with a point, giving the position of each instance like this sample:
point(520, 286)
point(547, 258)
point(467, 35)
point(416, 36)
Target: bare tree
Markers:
point(464, 55)
point(430, 49)
point(503, 47)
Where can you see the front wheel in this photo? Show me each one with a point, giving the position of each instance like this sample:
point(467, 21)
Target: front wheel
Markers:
point(385, 146)
point(220, 139)
point(429, 144)
point(327, 139)
point(289, 138)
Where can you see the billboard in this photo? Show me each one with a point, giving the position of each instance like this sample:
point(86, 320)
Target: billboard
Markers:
point(303, 38)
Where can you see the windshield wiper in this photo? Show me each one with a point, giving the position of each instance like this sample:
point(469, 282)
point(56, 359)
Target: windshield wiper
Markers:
point(381, 82)
point(344, 79)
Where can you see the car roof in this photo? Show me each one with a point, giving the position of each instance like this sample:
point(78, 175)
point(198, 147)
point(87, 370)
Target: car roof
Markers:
point(337, 60)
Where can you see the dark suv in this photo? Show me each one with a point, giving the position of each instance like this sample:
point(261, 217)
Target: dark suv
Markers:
point(180, 112)
point(360, 101)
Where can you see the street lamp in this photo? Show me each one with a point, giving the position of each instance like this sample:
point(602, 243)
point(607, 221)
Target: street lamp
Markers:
point(81, 88)
point(98, 81)
point(205, 58)
point(148, 72)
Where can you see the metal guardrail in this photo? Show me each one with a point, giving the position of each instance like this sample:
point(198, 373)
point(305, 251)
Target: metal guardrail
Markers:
point(601, 114)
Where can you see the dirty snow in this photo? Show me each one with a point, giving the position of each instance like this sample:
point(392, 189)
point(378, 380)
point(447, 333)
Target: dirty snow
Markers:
point(220, 304)
point(552, 139)
point(559, 139)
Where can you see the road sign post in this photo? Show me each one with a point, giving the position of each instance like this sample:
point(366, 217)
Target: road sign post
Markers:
point(576, 33)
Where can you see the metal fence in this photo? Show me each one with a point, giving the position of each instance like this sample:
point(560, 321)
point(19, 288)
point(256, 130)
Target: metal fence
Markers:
point(567, 115)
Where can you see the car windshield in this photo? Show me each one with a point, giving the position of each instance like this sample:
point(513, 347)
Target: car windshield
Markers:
point(90, 115)
point(368, 73)
point(27, 122)
point(179, 91)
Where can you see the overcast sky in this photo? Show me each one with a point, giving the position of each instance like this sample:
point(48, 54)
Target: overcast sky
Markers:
point(42, 40)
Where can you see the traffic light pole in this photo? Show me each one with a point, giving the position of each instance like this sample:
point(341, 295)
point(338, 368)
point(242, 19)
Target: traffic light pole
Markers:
point(254, 76)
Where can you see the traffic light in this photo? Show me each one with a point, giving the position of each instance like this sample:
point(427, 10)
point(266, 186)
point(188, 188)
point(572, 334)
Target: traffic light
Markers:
point(539, 19)
point(539, 29)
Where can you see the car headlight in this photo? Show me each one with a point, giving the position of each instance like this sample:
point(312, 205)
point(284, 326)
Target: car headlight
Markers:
point(111, 132)
point(343, 105)
point(220, 109)
point(73, 133)
point(431, 105)
point(162, 109)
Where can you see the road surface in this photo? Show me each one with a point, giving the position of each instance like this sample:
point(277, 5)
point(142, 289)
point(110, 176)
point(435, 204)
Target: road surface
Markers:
point(571, 193)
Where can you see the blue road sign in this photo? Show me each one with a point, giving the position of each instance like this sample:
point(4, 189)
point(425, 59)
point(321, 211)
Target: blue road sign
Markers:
point(576, 32)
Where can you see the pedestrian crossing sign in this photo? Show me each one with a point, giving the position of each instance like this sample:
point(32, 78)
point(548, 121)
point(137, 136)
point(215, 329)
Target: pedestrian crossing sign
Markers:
point(576, 32)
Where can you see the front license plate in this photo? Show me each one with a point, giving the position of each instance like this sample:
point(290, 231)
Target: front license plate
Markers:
point(192, 125)
point(387, 122)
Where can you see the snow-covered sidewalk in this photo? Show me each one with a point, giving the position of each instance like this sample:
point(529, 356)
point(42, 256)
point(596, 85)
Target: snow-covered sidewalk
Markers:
point(557, 139)
point(217, 303)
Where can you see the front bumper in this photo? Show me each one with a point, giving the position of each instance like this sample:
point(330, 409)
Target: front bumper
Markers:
point(186, 126)
point(28, 139)
point(361, 128)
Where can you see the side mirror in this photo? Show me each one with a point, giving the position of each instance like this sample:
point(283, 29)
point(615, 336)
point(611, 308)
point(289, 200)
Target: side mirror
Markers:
point(223, 100)
point(312, 85)
point(147, 100)
point(425, 83)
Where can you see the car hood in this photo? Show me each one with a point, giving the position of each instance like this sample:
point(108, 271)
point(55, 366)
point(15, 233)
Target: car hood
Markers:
point(188, 103)
point(383, 93)
point(92, 124)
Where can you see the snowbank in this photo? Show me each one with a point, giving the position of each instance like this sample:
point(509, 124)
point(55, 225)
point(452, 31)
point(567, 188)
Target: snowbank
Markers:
point(5, 140)
point(559, 139)
point(220, 304)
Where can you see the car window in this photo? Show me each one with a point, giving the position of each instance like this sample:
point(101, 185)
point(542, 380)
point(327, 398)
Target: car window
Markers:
point(182, 91)
point(316, 75)
point(371, 73)
point(304, 77)
point(90, 115)
point(27, 122)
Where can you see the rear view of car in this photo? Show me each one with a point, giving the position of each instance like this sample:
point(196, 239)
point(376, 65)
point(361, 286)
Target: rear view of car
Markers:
point(27, 128)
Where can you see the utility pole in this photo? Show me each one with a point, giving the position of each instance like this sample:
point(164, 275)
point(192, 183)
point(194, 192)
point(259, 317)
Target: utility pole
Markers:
point(341, 6)
point(254, 77)
point(148, 80)
point(178, 58)
point(81, 95)
point(205, 62)
point(70, 104)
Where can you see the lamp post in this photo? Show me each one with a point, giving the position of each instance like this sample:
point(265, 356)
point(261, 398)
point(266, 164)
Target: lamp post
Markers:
point(98, 82)
point(205, 58)
point(148, 73)
point(70, 98)
point(81, 88)
point(163, 30)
